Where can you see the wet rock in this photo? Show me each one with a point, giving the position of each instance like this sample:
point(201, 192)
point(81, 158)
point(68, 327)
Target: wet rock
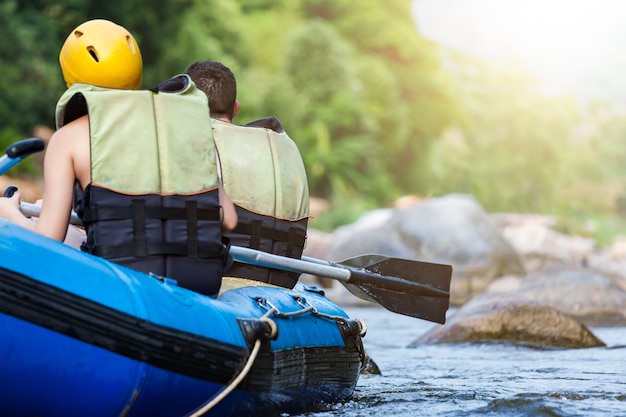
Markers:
point(585, 294)
point(511, 318)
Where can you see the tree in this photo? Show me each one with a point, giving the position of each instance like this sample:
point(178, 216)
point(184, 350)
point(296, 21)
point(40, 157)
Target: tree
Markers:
point(409, 65)
point(29, 85)
point(337, 141)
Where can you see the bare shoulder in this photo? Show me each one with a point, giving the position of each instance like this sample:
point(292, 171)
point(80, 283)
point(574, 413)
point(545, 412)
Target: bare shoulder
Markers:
point(71, 140)
point(70, 145)
point(71, 132)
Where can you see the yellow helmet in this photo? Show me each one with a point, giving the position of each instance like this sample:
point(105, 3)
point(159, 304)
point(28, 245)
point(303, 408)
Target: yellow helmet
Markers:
point(101, 53)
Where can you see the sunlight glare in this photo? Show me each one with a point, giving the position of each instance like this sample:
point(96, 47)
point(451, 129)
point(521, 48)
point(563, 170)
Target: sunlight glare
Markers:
point(558, 40)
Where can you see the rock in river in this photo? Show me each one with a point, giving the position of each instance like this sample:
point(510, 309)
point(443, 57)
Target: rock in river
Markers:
point(511, 318)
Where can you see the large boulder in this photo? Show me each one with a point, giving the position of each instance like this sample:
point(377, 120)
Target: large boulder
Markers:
point(611, 261)
point(511, 318)
point(453, 229)
point(371, 233)
point(585, 294)
point(534, 238)
point(316, 243)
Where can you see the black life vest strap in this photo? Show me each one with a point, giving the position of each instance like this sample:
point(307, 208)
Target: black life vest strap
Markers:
point(173, 249)
point(163, 213)
point(138, 213)
point(293, 236)
point(255, 230)
point(191, 213)
point(139, 228)
point(290, 245)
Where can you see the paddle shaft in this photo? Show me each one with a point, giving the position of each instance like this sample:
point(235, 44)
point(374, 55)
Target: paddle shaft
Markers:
point(269, 260)
point(33, 210)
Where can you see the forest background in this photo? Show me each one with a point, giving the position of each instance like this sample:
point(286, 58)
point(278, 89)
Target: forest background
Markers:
point(377, 110)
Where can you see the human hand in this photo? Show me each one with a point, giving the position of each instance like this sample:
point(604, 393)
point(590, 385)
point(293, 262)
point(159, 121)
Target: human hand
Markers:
point(10, 206)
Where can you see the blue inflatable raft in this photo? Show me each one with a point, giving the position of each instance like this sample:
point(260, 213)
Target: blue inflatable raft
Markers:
point(80, 336)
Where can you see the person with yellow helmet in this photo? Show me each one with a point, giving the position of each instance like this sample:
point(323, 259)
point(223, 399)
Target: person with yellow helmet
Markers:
point(101, 53)
point(138, 166)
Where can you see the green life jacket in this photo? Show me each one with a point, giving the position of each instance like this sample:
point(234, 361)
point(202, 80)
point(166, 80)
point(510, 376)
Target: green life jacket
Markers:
point(264, 175)
point(153, 202)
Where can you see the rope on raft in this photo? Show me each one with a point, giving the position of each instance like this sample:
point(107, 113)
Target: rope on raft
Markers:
point(244, 372)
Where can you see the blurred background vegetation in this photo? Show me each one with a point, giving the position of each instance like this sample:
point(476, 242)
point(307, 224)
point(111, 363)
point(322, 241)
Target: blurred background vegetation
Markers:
point(377, 110)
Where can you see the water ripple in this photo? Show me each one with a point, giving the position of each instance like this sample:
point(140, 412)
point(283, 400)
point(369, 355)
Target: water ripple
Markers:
point(481, 379)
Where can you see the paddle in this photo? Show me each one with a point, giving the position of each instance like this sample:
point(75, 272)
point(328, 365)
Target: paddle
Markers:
point(18, 151)
point(413, 288)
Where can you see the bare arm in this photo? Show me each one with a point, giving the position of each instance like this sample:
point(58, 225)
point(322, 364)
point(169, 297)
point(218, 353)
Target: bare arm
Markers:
point(66, 159)
point(229, 215)
point(59, 180)
point(54, 217)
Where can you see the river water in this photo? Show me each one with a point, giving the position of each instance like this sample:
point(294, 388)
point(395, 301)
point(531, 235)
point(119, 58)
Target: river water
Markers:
point(481, 379)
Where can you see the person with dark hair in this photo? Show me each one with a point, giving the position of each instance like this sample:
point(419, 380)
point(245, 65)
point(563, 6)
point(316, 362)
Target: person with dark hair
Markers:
point(219, 84)
point(263, 173)
point(138, 166)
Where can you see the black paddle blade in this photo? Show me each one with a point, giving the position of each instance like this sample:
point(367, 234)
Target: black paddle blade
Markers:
point(413, 288)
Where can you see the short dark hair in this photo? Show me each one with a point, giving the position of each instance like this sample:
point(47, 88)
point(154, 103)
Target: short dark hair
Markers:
point(218, 82)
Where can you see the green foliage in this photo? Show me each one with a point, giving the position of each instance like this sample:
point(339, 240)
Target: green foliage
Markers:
point(250, 6)
point(376, 110)
point(346, 81)
point(29, 85)
point(602, 227)
point(27, 167)
point(318, 68)
point(208, 29)
point(419, 97)
point(32, 33)
point(318, 61)
point(522, 151)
